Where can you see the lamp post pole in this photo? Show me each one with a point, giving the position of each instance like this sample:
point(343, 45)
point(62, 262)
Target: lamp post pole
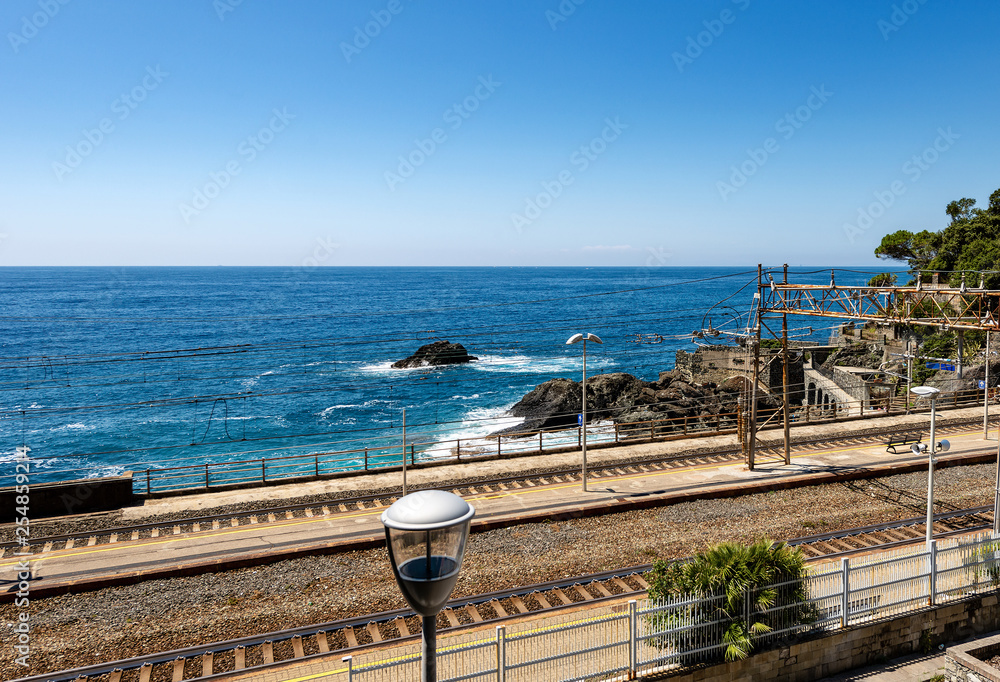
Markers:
point(576, 338)
point(931, 449)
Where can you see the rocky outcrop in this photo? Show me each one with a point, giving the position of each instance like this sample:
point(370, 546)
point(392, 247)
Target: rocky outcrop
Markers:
point(437, 353)
point(623, 398)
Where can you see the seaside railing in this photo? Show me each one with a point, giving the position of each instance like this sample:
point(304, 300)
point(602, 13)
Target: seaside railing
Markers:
point(645, 636)
point(263, 470)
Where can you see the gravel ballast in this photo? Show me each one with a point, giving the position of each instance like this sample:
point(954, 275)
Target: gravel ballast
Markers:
point(76, 630)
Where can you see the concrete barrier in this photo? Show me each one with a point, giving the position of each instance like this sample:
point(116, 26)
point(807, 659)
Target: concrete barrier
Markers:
point(69, 497)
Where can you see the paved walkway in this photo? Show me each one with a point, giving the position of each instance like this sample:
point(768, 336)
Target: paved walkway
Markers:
point(337, 529)
point(915, 668)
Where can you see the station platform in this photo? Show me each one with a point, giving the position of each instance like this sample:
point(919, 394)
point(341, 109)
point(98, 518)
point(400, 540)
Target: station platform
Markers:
point(223, 548)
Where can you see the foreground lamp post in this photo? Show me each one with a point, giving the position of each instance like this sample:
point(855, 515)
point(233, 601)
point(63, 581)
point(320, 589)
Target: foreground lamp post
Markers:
point(935, 447)
point(577, 338)
point(426, 533)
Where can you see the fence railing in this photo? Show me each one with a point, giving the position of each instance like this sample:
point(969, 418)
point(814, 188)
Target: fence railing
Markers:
point(644, 636)
point(207, 475)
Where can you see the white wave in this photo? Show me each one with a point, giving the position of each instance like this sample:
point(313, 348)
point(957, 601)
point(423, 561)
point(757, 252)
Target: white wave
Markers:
point(523, 364)
point(330, 409)
point(464, 397)
point(76, 426)
point(477, 423)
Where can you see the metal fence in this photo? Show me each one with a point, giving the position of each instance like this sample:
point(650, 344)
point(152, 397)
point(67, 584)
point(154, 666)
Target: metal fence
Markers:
point(314, 465)
point(642, 637)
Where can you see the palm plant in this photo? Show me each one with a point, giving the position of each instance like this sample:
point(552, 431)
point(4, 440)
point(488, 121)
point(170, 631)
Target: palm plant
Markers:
point(737, 585)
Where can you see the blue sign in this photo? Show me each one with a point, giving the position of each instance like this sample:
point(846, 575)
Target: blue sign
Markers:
point(579, 419)
point(940, 365)
point(982, 384)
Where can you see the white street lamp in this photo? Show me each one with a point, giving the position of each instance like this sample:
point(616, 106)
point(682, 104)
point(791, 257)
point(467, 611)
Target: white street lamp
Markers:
point(426, 533)
point(935, 447)
point(576, 338)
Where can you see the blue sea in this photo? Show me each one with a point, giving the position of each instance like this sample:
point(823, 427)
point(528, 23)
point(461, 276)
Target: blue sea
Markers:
point(112, 369)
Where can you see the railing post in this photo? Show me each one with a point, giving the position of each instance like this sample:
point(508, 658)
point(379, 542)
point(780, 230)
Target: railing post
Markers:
point(652, 433)
point(633, 639)
point(932, 574)
point(685, 424)
point(147, 482)
point(413, 454)
point(845, 596)
point(540, 441)
point(501, 653)
point(206, 476)
point(366, 459)
point(317, 466)
point(579, 438)
point(349, 660)
point(263, 472)
point(498, 446)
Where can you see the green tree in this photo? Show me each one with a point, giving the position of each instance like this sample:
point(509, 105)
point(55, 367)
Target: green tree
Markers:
point(738, 584)
point(883, 279)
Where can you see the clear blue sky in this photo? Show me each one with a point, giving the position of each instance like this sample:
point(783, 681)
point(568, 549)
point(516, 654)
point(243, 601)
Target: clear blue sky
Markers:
point(622, 123)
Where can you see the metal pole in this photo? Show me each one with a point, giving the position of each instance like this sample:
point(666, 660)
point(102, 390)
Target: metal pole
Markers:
point(428, 648)
point(752, 445)
point(986, 392)
point(909, 374)
point(583, 426)
point(784, 378)
point(404, 451)
point(996, 496)
point(930, 480)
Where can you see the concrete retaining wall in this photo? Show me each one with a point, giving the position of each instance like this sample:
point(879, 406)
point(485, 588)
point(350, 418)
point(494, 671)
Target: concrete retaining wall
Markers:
point(69, 497)
point(858, 646)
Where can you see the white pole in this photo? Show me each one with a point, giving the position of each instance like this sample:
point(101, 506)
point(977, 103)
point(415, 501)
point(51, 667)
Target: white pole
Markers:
point(584, 424)
point(986, 392)
point(930, 481)
point(404, 452)
point(996, 495)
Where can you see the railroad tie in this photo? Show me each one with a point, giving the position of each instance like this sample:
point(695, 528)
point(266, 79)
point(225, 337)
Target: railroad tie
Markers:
point(309, 513)
point(375, 633)
point(234, 522)
point(289, 515)
point(474, 613)
point(271, 518)
point(69, 545)
point(472, 490)
point(91, 541)
point(352, 641)
point(583, 592)
point(207, 659)
point(498, 607)
point(562, 596)
point(297, 646)
point(112, 540)
point(115, 676)
point(215, 524)
point(542, 600)
point(135, 535)
point(518, 604)
point(177, 530)
point(601, 588)
point(155, 533)
point(3, 551)
point(642, 583)
point(241, 657)
point(195, 527)
point(322, 642)
point(178, 672)
point(342, 507)
point(622, 584)
point(326, 510)
point(452, 618)
point(268, 648)
point(401, 627)
point(254, 519)
point(145, 671)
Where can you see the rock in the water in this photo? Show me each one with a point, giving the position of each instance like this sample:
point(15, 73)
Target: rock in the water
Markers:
point(551, 405)
point(437, 353)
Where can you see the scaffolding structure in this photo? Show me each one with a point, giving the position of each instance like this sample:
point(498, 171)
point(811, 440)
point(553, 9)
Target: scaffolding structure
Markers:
point(950, 308)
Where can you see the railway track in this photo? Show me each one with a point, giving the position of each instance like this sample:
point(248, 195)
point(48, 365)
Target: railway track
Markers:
point(183, 526)
point(342, 636)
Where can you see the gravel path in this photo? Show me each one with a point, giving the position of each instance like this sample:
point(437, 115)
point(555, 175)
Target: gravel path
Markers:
point(76, 630)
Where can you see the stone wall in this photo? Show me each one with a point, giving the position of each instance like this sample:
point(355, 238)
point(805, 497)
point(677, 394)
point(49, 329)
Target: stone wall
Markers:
point(70, 497)
point(967, 662)
point(724, 362)
point(857, 646)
